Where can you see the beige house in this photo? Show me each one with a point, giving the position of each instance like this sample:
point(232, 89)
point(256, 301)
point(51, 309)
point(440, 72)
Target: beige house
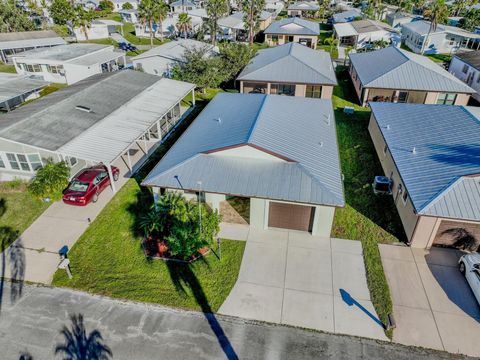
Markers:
point(293, 30)
point(290, 69)
point(435, 176)
point(399, 76)
point(303, 8)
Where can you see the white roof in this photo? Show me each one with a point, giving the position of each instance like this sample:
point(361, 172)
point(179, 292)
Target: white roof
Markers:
point(344, 29)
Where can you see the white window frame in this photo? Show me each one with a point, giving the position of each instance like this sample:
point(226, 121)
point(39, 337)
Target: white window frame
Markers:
point(18, 162)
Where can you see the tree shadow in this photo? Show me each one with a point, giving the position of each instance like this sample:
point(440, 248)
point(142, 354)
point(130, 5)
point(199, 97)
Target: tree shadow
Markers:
point(457, 155)
point(12, 255)
point(183, 276)
point(80, 345)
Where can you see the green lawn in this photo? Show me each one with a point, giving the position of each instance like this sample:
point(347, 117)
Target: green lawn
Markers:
point(7, 68)
point(368, 218)
point(440, 58)
point(45, 91)
point(18, 210)
point(106, 41)
point(129, 34)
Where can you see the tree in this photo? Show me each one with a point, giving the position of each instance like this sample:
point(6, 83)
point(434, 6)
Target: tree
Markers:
point(162, 12)
point(324, 6)
point(61, 11)
point(50, 180)
point(83, 19)
point(332, 41)
point(252, 10)
point(106, 5)
point(127, 6)
point(470, 20)
point(184, 24)
point(235, 57)
point(460, 7)
point(14, 19)
point(216, 9)
point(437, 12)
point(147, 12)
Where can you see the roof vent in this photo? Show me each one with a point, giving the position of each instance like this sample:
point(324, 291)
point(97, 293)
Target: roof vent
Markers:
point(320, 143)
point(388, 127)
point(83, 108)
point(414, 150)
point(219, 120)
point(328, 119)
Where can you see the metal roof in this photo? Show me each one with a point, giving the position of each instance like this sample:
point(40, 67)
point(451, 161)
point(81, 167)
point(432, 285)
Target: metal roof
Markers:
point(14, 85)
point(62, 52)
point(293, 63)
point(293, 26)
point(395, 68)
point(53, 122)
point(304, 6)
point(344, 29)
point(236, 21)
point(367, 26)
point(98, 58)
point(182, 3)
point(422, 27)
point(299, 133)
point(346, 16)
point(174, 50)
point(472, 58)
point(438, 173)
point(19, 40)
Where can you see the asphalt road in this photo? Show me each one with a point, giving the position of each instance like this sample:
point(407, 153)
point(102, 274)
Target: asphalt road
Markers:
point(32, 326)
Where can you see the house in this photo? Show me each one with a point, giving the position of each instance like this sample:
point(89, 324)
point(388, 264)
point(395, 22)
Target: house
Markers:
point(18, 42)
point(362, 34)
point(234, 25)
point(289, 69)
point(303, 8)
point(99, 29)
point(274, 6)
point(466, 67)
point(68, 64)
point(182, 6)
point(236, 148)
point(118, 4)
point(430, 152)
point(396, 75)
point(346, 16)
point(399, 18)
point(161, 59)
point(444, 40)
point(293, 30)
point(130, 16)
point(113, 118)
point(16, 89)
point(169, 27)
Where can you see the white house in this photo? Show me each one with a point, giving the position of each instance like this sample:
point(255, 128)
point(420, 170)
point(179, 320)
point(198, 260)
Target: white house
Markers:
point(444, 40)
point(398, 18)
point(169, 27)
point(466, 67)
point(16, 89)
point(182, 6)
point(118, 4)
point(99, 29)
point(69, 64)
point(362, 34)
point(130, 16)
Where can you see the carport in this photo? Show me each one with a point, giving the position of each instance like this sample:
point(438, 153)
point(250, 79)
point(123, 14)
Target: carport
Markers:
point(16, 89)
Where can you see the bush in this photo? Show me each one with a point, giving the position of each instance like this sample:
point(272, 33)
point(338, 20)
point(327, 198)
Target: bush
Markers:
point(106, 5)
point(50, 181)
point(127, 6)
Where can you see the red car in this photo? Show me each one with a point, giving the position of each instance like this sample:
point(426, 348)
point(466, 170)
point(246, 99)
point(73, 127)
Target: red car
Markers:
point(87, 185)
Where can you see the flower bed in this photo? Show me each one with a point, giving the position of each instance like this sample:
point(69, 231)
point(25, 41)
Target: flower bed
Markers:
point(158, 249)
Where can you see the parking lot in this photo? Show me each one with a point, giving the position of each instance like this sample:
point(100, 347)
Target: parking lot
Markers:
point(433, 304)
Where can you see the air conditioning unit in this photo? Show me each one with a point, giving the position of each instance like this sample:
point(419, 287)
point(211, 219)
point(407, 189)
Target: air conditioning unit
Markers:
point(382, 185)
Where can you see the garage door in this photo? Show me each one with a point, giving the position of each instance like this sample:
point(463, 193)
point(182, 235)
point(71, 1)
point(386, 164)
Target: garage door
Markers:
point(289, 216)
point(452, 233)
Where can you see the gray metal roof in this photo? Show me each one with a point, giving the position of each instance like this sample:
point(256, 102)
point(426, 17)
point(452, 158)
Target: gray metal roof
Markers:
point(174, 50)
point(236, 21)
point(394, 68)
point(293, 26)
point(182, 3)
point(98, 58)
point(293, 63)
point(14, 85)
point(53, 122)
point(17, 40)
point(438, 174)
point(346, 16)
point(304, 166)
point(422, 27)
point(63, 52)
point(304, 6)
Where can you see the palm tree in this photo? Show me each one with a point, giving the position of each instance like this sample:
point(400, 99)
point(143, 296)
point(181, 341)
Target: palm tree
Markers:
point(252, 10)
point(184, 24)
point(83, 19)
point(436, 13)
point(147, 12)
point(162, 12)
point(215, 10)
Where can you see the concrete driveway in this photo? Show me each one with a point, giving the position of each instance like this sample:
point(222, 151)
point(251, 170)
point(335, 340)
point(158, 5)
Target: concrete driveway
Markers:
point(293, 278)
point(433, 304)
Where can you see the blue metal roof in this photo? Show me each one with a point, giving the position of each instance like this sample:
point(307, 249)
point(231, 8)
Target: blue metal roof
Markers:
point(293, 26)
point(446, 140)
point(297, 135)
point(346, 16)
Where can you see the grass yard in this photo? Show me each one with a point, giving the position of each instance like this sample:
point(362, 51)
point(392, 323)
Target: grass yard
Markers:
point(106, 41)
point(129, 35)
point(45, 91)
point(7, 68)
point(368, 218)
point(440, 58)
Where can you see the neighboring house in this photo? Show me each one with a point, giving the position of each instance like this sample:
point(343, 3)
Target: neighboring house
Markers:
point(118, 4)
point(397, 19)
point(98, 120)
point(346, 16)
point(396, 75)
point(293, 30)
point(362, 34)
point(16, 89)
point(182, 6)
point(18, 42)
point(303, 8)
point(466, 67)
point(169, 27)
point(99, 29)
point(161, 59)
point(274, 6)
point(68, 64)
point(289, 69)
point(444, 40)
point(233, 25)
point(429, 152)
point(198, 15)
point(236, 147)
point(130, 16)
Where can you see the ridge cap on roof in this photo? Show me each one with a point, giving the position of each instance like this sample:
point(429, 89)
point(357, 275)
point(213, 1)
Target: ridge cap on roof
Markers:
point(441, 194)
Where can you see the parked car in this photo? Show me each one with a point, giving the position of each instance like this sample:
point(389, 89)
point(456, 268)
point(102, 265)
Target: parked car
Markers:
point(469, 266)
point(87, 185)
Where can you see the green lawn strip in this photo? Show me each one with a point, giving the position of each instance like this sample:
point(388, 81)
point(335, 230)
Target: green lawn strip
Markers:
point(440, 58)
point(7, 68)
point(108, 260)
point(107, 41)
point(129, 35)
point(45, 91)
point(330, 49)
point(368, 218)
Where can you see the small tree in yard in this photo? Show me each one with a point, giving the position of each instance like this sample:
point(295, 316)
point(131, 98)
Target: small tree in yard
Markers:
point(107, 6)
point(235, 57)
point(127, 6)
point(50, 181)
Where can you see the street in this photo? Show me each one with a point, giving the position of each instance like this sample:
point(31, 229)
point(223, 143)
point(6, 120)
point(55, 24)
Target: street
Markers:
point(31, 327)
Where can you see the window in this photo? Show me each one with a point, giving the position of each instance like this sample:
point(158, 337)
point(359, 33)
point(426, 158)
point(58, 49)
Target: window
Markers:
point(12, 159)
point(70, 161)
point(313, 91)
point(465, 69)
point(102, 175)
point(55, 69)
point(385, 149)
point(405, 196)
point(33, 67)
point(22, 159)
point(402, 96)
point(282, 89)
point(275, 38)
point(24, 162)
point(35, 161)
point(446, 99)
point(2, 164)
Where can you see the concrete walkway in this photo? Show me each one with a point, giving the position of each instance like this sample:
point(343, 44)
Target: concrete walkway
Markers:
point(433, 304)
point(293, 278)
point(139, 331)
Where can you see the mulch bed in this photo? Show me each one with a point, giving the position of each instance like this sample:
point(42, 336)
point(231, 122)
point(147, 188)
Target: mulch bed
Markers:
point(158, 249)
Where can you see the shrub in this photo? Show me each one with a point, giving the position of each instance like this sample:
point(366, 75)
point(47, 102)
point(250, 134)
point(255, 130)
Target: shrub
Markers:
point(106, 5)
point(127, 6)
point(50, 180)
